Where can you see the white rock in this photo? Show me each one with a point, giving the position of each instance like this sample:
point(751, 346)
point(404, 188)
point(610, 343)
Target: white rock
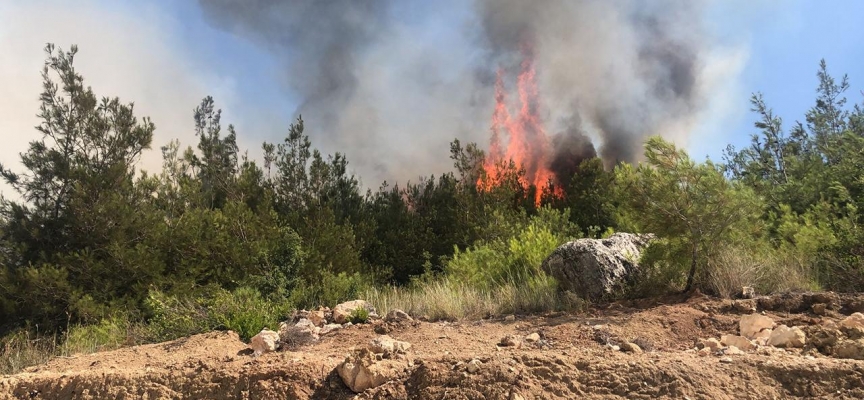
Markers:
point(511, 341)
point(853, 321)
point(397, 315)
point(361, 370)
point(532, 338)
point(303, 332)
point(752, 324)
point(733, 351)
point(474, 366)
point(784, 336)
point(329, 328)
point(387, 345)
point(342, 312)
point(317, 318)
point(264, 342)
point(762, 337)
point(738, 341)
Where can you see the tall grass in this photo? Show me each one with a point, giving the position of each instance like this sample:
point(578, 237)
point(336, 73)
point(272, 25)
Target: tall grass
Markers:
point(451, 299)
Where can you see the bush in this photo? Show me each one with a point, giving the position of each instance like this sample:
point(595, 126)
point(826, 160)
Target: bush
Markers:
point(664, 265)
point(359, 316)
point(512, 259)
point(21, 349)
point(330, 289)
point(108, 334)
point(246, 312)
point(173, 316)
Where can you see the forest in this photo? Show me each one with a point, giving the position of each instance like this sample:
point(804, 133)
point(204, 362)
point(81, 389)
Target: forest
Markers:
point(95, 253)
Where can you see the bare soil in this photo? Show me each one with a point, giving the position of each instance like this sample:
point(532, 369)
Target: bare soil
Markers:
point(572, 360)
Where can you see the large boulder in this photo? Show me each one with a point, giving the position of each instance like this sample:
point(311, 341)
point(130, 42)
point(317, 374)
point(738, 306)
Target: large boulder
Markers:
point(594, 268)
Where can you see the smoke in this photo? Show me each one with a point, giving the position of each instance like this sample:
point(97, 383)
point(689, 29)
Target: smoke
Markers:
point(392, 82)
point(617, 71)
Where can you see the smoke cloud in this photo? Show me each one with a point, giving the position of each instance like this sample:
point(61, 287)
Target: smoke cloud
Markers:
point(392, 82)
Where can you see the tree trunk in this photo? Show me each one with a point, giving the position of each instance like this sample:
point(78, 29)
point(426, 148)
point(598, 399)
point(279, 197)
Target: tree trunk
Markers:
point(692, 272)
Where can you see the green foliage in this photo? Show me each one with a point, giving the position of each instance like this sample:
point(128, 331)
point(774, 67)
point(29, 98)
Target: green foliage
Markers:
point(359, 316)
point(691, 203)
point(101, 254)
point(243, 310)
point(246, 312)
point(514, 256)
point(332, 289)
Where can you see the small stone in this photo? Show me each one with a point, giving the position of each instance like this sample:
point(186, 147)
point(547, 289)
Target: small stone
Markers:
point(704, 352)
point(725, 360)
point(853, 349)
point(264, 342)
point(710, 343)
point(818, 308)
point(397, 315)
point(613, 347)
point(510, 318)
point(511, 341)
point(387, 345)
point(854, 320)
point(631, 348)
point(329, 328)
point(316, 317)
point(532, 338)
point(301, 333)
point(342, 312)
point(785, 336)
point(733, 351)
point(751, 325)
point(474, 366)
point(737, 341)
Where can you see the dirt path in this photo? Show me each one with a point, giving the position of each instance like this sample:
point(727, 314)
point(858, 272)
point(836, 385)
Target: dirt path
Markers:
point(570, 361)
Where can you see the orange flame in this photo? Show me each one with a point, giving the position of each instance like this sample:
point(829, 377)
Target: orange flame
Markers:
point(527, 145)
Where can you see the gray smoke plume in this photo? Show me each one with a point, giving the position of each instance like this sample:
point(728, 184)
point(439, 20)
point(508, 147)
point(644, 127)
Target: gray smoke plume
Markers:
point(392, 82)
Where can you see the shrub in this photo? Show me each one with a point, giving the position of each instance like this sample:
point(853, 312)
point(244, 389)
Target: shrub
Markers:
point(173, 316)
point(246, 312)
point(108, 334)
point(330, 289)
point(21, 349)
point(359, 316)
point(512, 259)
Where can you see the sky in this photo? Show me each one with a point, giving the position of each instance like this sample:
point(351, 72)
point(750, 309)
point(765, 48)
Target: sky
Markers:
point(166, 55)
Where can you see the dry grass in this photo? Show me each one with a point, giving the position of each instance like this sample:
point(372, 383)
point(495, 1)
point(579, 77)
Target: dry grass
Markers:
point(22, 349)
point(769, 272)
point(447, 299)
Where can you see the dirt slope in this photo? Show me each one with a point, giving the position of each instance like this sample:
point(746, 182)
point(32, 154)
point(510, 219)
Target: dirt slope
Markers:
point(571, 361)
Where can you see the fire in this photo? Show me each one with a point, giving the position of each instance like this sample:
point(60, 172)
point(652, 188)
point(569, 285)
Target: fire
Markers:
point(527, 144)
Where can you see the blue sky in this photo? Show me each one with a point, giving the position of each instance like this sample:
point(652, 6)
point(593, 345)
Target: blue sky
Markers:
point(165, 57)
point(785, 41)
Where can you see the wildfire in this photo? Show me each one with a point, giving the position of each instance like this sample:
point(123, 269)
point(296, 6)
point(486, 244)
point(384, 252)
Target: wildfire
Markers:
point(527, 144)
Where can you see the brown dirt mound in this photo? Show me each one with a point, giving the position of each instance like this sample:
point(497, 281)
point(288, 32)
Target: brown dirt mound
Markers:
point(572, 360)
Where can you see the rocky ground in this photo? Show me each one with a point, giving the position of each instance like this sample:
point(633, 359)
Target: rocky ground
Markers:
point(674, 348)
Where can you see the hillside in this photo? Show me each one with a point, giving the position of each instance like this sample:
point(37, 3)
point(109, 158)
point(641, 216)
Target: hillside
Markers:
point(570, 359)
